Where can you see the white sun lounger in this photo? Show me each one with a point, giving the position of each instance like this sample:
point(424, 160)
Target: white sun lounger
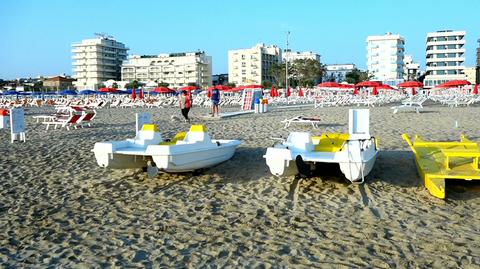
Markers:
point(303, 120)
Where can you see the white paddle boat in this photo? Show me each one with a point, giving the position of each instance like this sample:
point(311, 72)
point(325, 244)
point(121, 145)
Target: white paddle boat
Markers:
point(185, 152)
point(355, 152)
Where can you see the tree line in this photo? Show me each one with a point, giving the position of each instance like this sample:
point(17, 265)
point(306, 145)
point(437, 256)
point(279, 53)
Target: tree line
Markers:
point(308, 73)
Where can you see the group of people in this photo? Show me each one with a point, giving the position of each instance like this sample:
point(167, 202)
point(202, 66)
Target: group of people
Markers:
point(185, 99)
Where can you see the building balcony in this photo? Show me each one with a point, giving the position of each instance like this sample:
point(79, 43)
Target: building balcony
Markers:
point(455, 67)
point(437, 51)
point(455, 59)
point(451, 42)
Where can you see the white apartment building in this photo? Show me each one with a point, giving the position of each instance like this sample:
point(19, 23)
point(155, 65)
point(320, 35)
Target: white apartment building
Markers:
point(291, 56)
point(96, 60)
point(337, 72)
point(252, 66)
point(471, 74)
point(411, 68)
point(445, 57)
point(385, 58)
point(176, 69)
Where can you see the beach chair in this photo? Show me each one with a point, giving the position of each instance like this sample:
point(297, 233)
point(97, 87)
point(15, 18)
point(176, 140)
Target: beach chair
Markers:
point(412, 105)
point(87, 118)
point(302, 120)
point(71, 120)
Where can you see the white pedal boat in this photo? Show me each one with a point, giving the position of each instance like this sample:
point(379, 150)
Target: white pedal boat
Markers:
point(355, 152)
point(186, 152)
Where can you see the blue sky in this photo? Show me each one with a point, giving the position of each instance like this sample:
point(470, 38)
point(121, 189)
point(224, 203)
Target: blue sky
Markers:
point(36, 36)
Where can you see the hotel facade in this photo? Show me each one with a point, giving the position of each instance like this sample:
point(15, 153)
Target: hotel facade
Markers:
point(176, 69)
point(97, 60)
point(385, 58)
point(445, 57)
point(291, 56)
point(252, 66)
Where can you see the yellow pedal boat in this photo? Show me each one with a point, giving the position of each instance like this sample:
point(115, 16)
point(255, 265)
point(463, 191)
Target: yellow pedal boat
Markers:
point(437, 161)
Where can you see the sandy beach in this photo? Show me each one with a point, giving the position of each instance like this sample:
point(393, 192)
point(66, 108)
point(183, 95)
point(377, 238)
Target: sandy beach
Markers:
point(58, 207)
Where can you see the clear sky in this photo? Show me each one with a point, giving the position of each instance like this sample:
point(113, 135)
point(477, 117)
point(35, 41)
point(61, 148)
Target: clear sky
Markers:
point(36, 35)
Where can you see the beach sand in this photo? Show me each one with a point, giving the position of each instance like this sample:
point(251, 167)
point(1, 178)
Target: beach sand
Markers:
point(57, 207)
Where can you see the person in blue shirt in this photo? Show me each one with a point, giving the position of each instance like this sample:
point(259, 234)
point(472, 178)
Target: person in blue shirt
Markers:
point(215, 97)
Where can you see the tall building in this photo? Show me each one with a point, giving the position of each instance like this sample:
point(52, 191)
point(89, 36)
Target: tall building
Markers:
point(444, 57)
point(97, 60)
point(252, 66)
point(385, 58)
point(470, 74)
point(411, 69)
point(337, 72)
point(176, 69)
point(291, 56)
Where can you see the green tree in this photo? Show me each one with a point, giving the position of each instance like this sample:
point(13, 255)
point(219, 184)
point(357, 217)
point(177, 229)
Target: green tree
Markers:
point(132, 85)
point(277, 71)
point(231, 85)
point(306, 72)
point(355, 76)
point(267, 84)
point(163, 84)
point(100, 85)
point(38, 85)
point(115, 85)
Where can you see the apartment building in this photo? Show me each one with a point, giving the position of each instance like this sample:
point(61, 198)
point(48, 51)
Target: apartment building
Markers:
point(252, 66)
point(445, 57)
point(97, 60)
point(291, 56)
point(385, 58)
point(337, 72)
point(176, 69)
point(411, 69)
point(470, 74)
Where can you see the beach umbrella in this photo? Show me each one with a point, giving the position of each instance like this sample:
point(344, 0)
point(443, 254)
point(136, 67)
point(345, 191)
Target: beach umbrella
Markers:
point(300, 92)
point(368, 84)
point(134, 94)
point(272, 92)
point(288, 92)
point(162, 90)
point(87, 92)
point(329, 84)
point(68, 92)
point(384, 87)
point(453, 83)
point(11, 92)
point(189, 88)
point(140, 96)
point(253, 86)
point(107, 90)
point(346, 86)
point(410, 84)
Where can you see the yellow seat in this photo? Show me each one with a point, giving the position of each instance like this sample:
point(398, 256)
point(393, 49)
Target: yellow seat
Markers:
point(179, 136)
point(198, 128)
point(150, 127)
point(330, 142)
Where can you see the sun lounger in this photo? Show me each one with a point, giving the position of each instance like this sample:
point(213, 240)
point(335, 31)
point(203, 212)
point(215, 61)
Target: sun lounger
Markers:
point(303, 120)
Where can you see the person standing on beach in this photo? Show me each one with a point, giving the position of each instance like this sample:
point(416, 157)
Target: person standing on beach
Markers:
point(215, 97)
point(185, 104)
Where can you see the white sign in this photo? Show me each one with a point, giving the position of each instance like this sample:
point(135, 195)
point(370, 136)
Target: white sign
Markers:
point(141, 119)
point(17, 124)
